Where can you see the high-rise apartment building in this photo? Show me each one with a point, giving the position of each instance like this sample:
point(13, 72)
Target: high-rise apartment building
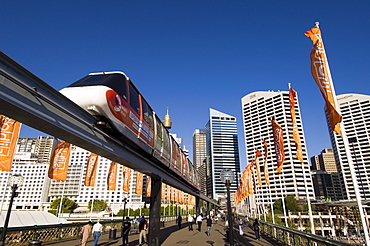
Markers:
point(200, 157)
point(355, 110)
point(258, 109)
point(223, 152)
point(31, 160)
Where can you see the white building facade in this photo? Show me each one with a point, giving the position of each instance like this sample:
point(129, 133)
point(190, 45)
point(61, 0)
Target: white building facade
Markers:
point(258, 110)
point(355, 110)
point(75, 189)
point(31, 160)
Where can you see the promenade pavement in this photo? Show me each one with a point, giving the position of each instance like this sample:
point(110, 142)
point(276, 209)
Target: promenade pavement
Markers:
point(171, 235)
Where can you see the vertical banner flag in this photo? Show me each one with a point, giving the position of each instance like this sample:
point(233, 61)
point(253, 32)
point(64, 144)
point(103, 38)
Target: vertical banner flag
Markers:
point(267, 177)
point(9, 131)
point(139, 183)
point(148, 186)
point(92, 166)
point(277, 131)
point(59, 162)
point(163, 193)
point(258, 153)
point(126, 178)
point(321, 73)
point(112, 176)
point(297, 139)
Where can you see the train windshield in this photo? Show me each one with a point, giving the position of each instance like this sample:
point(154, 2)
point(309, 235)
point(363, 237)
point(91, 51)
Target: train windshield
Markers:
point(116, 82)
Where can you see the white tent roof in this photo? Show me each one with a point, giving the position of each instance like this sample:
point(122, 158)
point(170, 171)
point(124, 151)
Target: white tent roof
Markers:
point(30, 218)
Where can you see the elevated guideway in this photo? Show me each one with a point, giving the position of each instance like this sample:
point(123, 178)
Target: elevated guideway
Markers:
point(27, 99)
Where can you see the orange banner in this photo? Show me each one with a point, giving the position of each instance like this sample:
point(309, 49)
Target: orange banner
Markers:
point(297, 139)
point(321, 73)
point(149, 186)
point(266, 171)
point(258, 153)
point(59, 162)
point(279, 144)
point(9, 131)
point(163, 192)
point(92, 166)
point(126, 179)
point(112, 176)
point(139, 183)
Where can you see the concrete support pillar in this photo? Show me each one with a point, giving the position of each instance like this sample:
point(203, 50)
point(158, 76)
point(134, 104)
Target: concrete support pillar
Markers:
point(197, 204)
point(155, 212)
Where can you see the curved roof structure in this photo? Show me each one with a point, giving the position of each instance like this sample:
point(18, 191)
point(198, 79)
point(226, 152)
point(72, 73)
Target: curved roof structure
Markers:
point(30, 218)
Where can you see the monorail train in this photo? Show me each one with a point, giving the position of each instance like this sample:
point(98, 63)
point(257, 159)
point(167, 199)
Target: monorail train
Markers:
point(117, 104)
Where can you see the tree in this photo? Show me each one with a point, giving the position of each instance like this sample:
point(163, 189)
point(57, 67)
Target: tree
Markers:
point(291, 204)
point(99, 205)
point(278, 206)
point(67, 204)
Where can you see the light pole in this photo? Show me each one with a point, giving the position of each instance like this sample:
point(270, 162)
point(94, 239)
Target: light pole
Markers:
point(124, 209)
point(227, 177)
point(14, 182)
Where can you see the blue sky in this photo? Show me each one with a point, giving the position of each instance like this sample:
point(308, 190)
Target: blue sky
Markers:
point(194, 55)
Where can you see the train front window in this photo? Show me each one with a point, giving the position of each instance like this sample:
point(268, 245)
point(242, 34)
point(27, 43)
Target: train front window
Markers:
point(89, 80)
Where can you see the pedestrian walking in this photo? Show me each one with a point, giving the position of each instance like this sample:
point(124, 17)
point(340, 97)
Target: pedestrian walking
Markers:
point(209, 225)
point(199, 222)
point(143, 227)
point(257, 229)
point(191, 222)
point(97, 229)
point(134, 221)
point(241, 227)
point(126, 227)
point(179, 219)
point(85, 233)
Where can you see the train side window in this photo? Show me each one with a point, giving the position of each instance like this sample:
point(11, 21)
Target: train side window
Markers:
point(148, 114)
point(134, 99)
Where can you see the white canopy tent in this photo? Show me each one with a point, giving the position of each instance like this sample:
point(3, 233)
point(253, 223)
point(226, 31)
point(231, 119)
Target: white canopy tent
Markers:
point(30, 218)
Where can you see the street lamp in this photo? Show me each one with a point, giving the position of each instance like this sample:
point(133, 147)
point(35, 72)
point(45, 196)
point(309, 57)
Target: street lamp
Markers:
point(227, 177)
point(124, 209)
point(14, 182)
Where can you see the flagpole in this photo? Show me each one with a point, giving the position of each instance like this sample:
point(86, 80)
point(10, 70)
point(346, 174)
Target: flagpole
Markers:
point(349, 156)
point(282, 200)
point(61, 201)
point(307, 195)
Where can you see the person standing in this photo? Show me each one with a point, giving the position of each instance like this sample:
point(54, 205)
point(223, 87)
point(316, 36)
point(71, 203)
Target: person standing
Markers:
point(85, 233)
point(126, 227)
point(190, 221)
point(209, 225)
point(179, 219)
point(199, 222)
point(257, 229)
point(241, 227)
point(97, 229)
point(143, 227)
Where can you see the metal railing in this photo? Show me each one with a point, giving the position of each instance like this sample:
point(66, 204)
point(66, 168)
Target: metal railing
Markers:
point(288, 236)
point(18, 236)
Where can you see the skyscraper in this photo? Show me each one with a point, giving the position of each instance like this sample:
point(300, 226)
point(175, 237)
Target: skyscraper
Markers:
point(355, 110)
point(200, 157)
point(223, 151)
point(258, 109)
point(325, 176)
